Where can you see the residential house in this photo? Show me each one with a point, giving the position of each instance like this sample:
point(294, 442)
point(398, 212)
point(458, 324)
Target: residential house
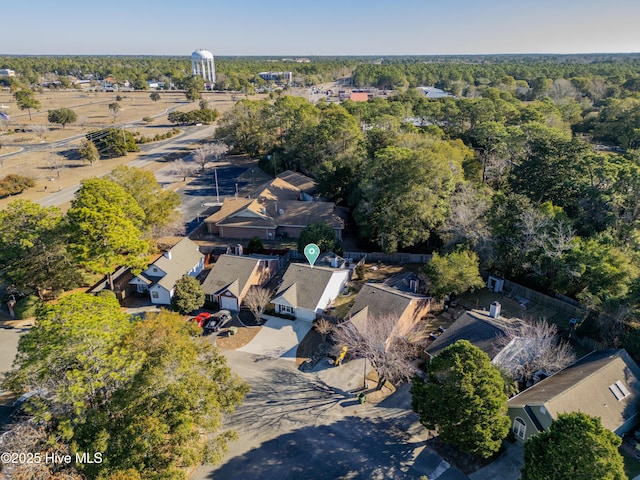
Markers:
point(307, 291)
point(276, 209)
point(160, 278)
point(483, 329)
point(603, 384)
point(232, 276)
point(377, 300)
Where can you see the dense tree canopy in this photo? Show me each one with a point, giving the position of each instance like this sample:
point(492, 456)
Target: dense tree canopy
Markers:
point(105, 223)
point(321, 234)
point(464, 398)
point(63, 116)
point(149, 395)
point(159, 205)
point(406, 192)
point(575, 446)
point(34, 255)
point(188, 295)
point(454, 273)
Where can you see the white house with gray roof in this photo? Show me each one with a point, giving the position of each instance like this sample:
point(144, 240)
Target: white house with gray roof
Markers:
point(160, 278)
point(307, 291)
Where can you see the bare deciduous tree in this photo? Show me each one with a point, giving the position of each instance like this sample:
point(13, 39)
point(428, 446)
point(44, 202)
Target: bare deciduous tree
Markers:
point(202, 155)
point(533, 347)
point(175, 228)
point(467, 221)
point(27, 438)
point(257, 300)
point(390, 348)
point(217, 150)
point(323, 327)
point(39, 130)
point(182, 168)
point(210, 152)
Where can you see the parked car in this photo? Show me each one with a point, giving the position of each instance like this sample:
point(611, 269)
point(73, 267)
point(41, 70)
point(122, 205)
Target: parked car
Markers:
point(202, 318)
point(212, 325)
point(211, 322)
point(223, 315)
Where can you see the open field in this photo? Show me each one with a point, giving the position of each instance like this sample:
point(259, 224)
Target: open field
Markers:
point(47, 150)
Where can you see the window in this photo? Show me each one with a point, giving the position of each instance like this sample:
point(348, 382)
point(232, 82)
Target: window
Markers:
point(154, 294)
point(519, 428)
point(155, 270)
point(286, 309)
point(619, 390)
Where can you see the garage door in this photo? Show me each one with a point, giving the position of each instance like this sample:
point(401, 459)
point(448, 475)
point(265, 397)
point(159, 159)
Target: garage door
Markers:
point(229, 303)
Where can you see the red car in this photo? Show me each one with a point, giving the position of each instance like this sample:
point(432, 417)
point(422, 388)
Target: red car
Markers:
point(202, 318)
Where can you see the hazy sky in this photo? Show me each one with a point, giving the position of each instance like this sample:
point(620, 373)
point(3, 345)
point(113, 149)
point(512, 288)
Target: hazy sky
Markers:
point(324, 27)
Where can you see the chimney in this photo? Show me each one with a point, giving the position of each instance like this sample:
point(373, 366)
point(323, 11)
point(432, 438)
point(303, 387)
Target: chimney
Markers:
point(167, 254)
point(334, 261)
point(239, 249)
point(413, 285)
point(494, 310)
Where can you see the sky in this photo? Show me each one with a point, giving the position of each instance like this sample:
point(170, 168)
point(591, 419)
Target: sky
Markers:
point(321, 27)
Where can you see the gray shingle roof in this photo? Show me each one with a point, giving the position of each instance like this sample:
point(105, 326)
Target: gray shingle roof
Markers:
point(302, 286)
point(584, 386)
point(475, 326)
point(184, 256)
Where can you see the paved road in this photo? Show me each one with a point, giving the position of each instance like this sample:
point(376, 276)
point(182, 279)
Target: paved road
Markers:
point(295, 425)
point(155, 152)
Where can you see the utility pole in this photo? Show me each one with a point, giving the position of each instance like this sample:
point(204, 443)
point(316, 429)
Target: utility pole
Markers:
point(215, 171)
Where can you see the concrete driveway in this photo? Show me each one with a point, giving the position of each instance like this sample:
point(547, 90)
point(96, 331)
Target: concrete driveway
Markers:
point(278, 338)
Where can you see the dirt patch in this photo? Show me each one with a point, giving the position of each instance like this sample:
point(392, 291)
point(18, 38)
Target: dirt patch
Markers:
point(242, 336)
point(49, 152)
point(308, 346)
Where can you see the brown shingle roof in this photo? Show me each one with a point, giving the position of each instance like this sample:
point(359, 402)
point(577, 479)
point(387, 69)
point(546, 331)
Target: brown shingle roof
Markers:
point(302, 182)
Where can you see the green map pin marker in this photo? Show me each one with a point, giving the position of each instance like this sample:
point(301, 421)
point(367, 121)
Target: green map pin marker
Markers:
point(312, 251)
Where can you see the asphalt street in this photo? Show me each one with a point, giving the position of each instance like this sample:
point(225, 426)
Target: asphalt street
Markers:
point(296, 425)
point(153, 152)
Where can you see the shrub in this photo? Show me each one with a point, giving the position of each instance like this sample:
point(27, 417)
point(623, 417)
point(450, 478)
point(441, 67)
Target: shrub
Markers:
point(27, 307)
point(14, 184)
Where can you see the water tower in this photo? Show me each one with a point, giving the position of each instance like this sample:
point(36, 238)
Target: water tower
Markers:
point(202, 64)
